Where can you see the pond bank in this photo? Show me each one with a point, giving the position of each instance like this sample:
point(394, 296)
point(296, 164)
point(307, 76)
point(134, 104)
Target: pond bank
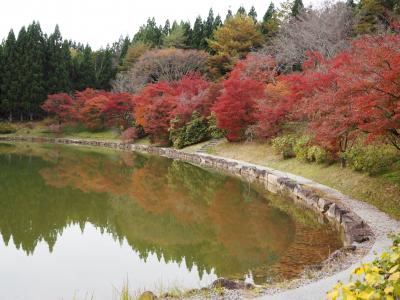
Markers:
point(362, 224)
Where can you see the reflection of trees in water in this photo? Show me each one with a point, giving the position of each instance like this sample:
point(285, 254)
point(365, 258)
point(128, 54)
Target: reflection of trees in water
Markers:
point(160, 206)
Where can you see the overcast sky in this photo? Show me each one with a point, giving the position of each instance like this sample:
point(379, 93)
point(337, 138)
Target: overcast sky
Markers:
point(99, 22)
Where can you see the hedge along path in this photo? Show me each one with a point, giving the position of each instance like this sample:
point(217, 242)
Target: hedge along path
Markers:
point(362, 225)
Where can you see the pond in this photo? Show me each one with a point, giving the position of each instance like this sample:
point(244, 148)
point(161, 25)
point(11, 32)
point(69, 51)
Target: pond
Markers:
point(79, 223)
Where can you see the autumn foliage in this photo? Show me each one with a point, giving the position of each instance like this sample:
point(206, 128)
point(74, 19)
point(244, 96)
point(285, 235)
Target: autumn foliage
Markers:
point(160, 103)
point(94, 109)
point(355, 93)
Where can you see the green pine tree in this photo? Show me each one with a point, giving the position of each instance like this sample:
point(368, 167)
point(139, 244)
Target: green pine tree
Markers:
point(58, 61)
point(124, 45)
point(241, 11)
point(9, 87)
point(208, 28)
point(35, 89)
point(253, 14)
point(21, 65)
point(270, 23)
point(167, 28)
point(104, 70)
point(198, 33)
point(297, 7)
point(87, 69)
point(150, 34)
point(229, 15)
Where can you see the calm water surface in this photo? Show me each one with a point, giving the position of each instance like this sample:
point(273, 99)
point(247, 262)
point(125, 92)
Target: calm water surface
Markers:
point(78, 223)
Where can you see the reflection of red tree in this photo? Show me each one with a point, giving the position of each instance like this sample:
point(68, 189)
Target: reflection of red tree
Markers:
point(150, 188)
point(248, 228)
point(236, 220)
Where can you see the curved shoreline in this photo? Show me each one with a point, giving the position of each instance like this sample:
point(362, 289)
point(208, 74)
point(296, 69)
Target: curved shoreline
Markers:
point(363, 225)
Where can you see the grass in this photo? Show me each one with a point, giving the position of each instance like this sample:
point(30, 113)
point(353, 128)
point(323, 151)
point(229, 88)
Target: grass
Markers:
point(382, 191)
point(40, 129)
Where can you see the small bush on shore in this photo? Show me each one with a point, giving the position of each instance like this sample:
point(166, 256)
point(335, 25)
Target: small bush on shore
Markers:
point(317, 154)
point(301, 147)
point(193, 132)
point(7, 128)
point(284, 145)
point(372, 159)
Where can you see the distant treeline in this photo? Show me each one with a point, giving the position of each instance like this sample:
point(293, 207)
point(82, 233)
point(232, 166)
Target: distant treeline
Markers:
point(33, 65)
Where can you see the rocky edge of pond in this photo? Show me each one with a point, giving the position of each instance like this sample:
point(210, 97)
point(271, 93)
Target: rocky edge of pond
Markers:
point(364, 228)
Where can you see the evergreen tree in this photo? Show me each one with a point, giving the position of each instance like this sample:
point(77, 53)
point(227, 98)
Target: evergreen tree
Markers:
point(270, 21)
point(87, 69)
point(229, 15)
point(198, 33)
point(150, 34)
point(253, 14)
point(58, 61)
point(9, 87)
point(174, 25)
point(208, 28)
point(269, 13)
point(124, 49)
point(241, 11)
point(297, 7)
point(21, 65)
point(35, 89)
point(167, 28)
point(188, 32)
point(351, 4)
point(104, 70)
point(217, 22)
point(176, 39)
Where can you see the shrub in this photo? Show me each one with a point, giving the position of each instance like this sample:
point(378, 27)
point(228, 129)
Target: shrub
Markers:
point(372, 159)
point(129, 135)
point(317, 154)
point(284, 145)
point(195, 131)
point(377, 280)
point(301, 147)
point(213, 129)
point(6, 128)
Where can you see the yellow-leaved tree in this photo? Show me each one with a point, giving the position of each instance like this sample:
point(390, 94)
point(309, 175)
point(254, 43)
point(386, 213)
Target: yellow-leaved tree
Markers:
point(237, 37)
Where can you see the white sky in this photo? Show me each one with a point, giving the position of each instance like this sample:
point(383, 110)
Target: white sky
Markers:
point(99, 22)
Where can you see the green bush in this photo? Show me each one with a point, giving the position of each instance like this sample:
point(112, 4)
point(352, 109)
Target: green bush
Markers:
point(377, 280)
point(7, 128)
point(284, 145)
point(301, 147)
point(191, 133)
point(372, 159)
point(317, 154)
point(213, 129)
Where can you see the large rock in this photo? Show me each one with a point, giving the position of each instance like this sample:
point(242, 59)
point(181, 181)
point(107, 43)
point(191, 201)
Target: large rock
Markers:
point(228, 284)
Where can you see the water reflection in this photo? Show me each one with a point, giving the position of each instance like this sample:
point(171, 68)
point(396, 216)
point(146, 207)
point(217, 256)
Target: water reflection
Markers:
point(161, 208)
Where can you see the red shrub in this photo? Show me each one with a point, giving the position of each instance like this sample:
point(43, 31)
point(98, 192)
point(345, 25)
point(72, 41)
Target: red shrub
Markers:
point(236, 107)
